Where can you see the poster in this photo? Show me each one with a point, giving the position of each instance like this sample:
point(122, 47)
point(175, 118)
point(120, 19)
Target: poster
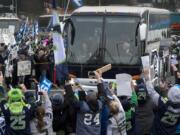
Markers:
point(124, 84)
point(24, 68)
point(145, 61)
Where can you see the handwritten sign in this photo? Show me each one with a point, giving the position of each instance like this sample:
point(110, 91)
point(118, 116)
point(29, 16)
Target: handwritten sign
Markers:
point(124, 84)
point(24, 68)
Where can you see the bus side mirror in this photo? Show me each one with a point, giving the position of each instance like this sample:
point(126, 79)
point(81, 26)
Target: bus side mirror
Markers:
point(143, 31)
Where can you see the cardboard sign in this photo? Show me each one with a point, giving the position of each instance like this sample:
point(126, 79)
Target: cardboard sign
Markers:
point(46, 85)
point(24, 68)
point(124, 84)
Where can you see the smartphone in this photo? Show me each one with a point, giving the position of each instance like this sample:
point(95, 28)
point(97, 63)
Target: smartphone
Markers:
point(1, 73)
point(40, 93)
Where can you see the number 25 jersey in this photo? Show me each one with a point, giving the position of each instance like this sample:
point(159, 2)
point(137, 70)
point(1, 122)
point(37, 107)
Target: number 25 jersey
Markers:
point(166, 119)
point(17, 124)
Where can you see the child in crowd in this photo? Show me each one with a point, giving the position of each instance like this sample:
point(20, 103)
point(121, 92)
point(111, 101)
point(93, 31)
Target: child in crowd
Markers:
point(42, 122)
point(117, 120)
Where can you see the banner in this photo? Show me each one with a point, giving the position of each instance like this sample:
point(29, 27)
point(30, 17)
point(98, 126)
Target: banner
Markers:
point(124, 84)
point(58, 42)
point(46, 85)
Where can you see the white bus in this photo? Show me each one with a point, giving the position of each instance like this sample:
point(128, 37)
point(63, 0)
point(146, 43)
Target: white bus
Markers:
point(120, 35)
point(9, 19)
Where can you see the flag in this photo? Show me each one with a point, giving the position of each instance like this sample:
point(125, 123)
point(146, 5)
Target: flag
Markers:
point(58, 42)
point(36, 28)
point(77, 3)
point(54, 4)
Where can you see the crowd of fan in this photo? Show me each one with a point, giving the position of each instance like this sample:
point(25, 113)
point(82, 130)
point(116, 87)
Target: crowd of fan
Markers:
point(149, 111)
point(39, 54)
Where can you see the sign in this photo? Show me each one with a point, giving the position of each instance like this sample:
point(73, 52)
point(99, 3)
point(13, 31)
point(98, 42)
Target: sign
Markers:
point(154, 66)
point(24, 68)
point(7, 38)
point(11, 29)
point(124, 84)
point(46, 85)
point(145, 62)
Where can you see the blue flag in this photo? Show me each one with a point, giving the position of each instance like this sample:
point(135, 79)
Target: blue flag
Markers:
point(46, 85)
point(77, 3)
point(54, 4)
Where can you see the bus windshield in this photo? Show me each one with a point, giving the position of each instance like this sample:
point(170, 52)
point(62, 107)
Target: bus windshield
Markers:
point(121, 47)
point(87, 39)
point(116, 37)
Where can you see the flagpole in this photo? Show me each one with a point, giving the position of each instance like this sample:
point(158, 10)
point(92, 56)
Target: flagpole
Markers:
point(66, 10)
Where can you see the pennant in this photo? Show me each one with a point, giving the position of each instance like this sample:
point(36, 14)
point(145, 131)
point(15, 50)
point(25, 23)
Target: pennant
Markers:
point(77, 3)
point(58, 42)
point(46, 85)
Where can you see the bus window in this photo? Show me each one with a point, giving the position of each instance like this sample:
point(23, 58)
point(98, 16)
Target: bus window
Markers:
point(87, 39)
point(121, 46)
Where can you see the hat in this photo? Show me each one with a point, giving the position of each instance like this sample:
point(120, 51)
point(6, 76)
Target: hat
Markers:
point(15, 101)
point(57, 99)
point(91, 95)
point(29, 97)
point(174, 94)
point(142, 93)
point(15, 95)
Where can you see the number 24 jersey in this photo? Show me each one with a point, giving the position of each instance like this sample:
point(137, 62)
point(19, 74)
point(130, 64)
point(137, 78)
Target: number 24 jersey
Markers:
point(88, 122)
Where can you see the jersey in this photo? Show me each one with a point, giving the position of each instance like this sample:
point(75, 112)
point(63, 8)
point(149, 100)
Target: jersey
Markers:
point(131, 126)
point(17, 124)
point(166, 119)
point(88, 122)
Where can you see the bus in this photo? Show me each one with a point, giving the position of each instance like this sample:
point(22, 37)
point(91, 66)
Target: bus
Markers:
point(9, 25)
point(119, 35)
point(175, 23)
point(9, 19)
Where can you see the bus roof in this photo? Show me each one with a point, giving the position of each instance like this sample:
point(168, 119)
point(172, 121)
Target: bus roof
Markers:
point(9, 18)
point(118, 9)
point(50, 15)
